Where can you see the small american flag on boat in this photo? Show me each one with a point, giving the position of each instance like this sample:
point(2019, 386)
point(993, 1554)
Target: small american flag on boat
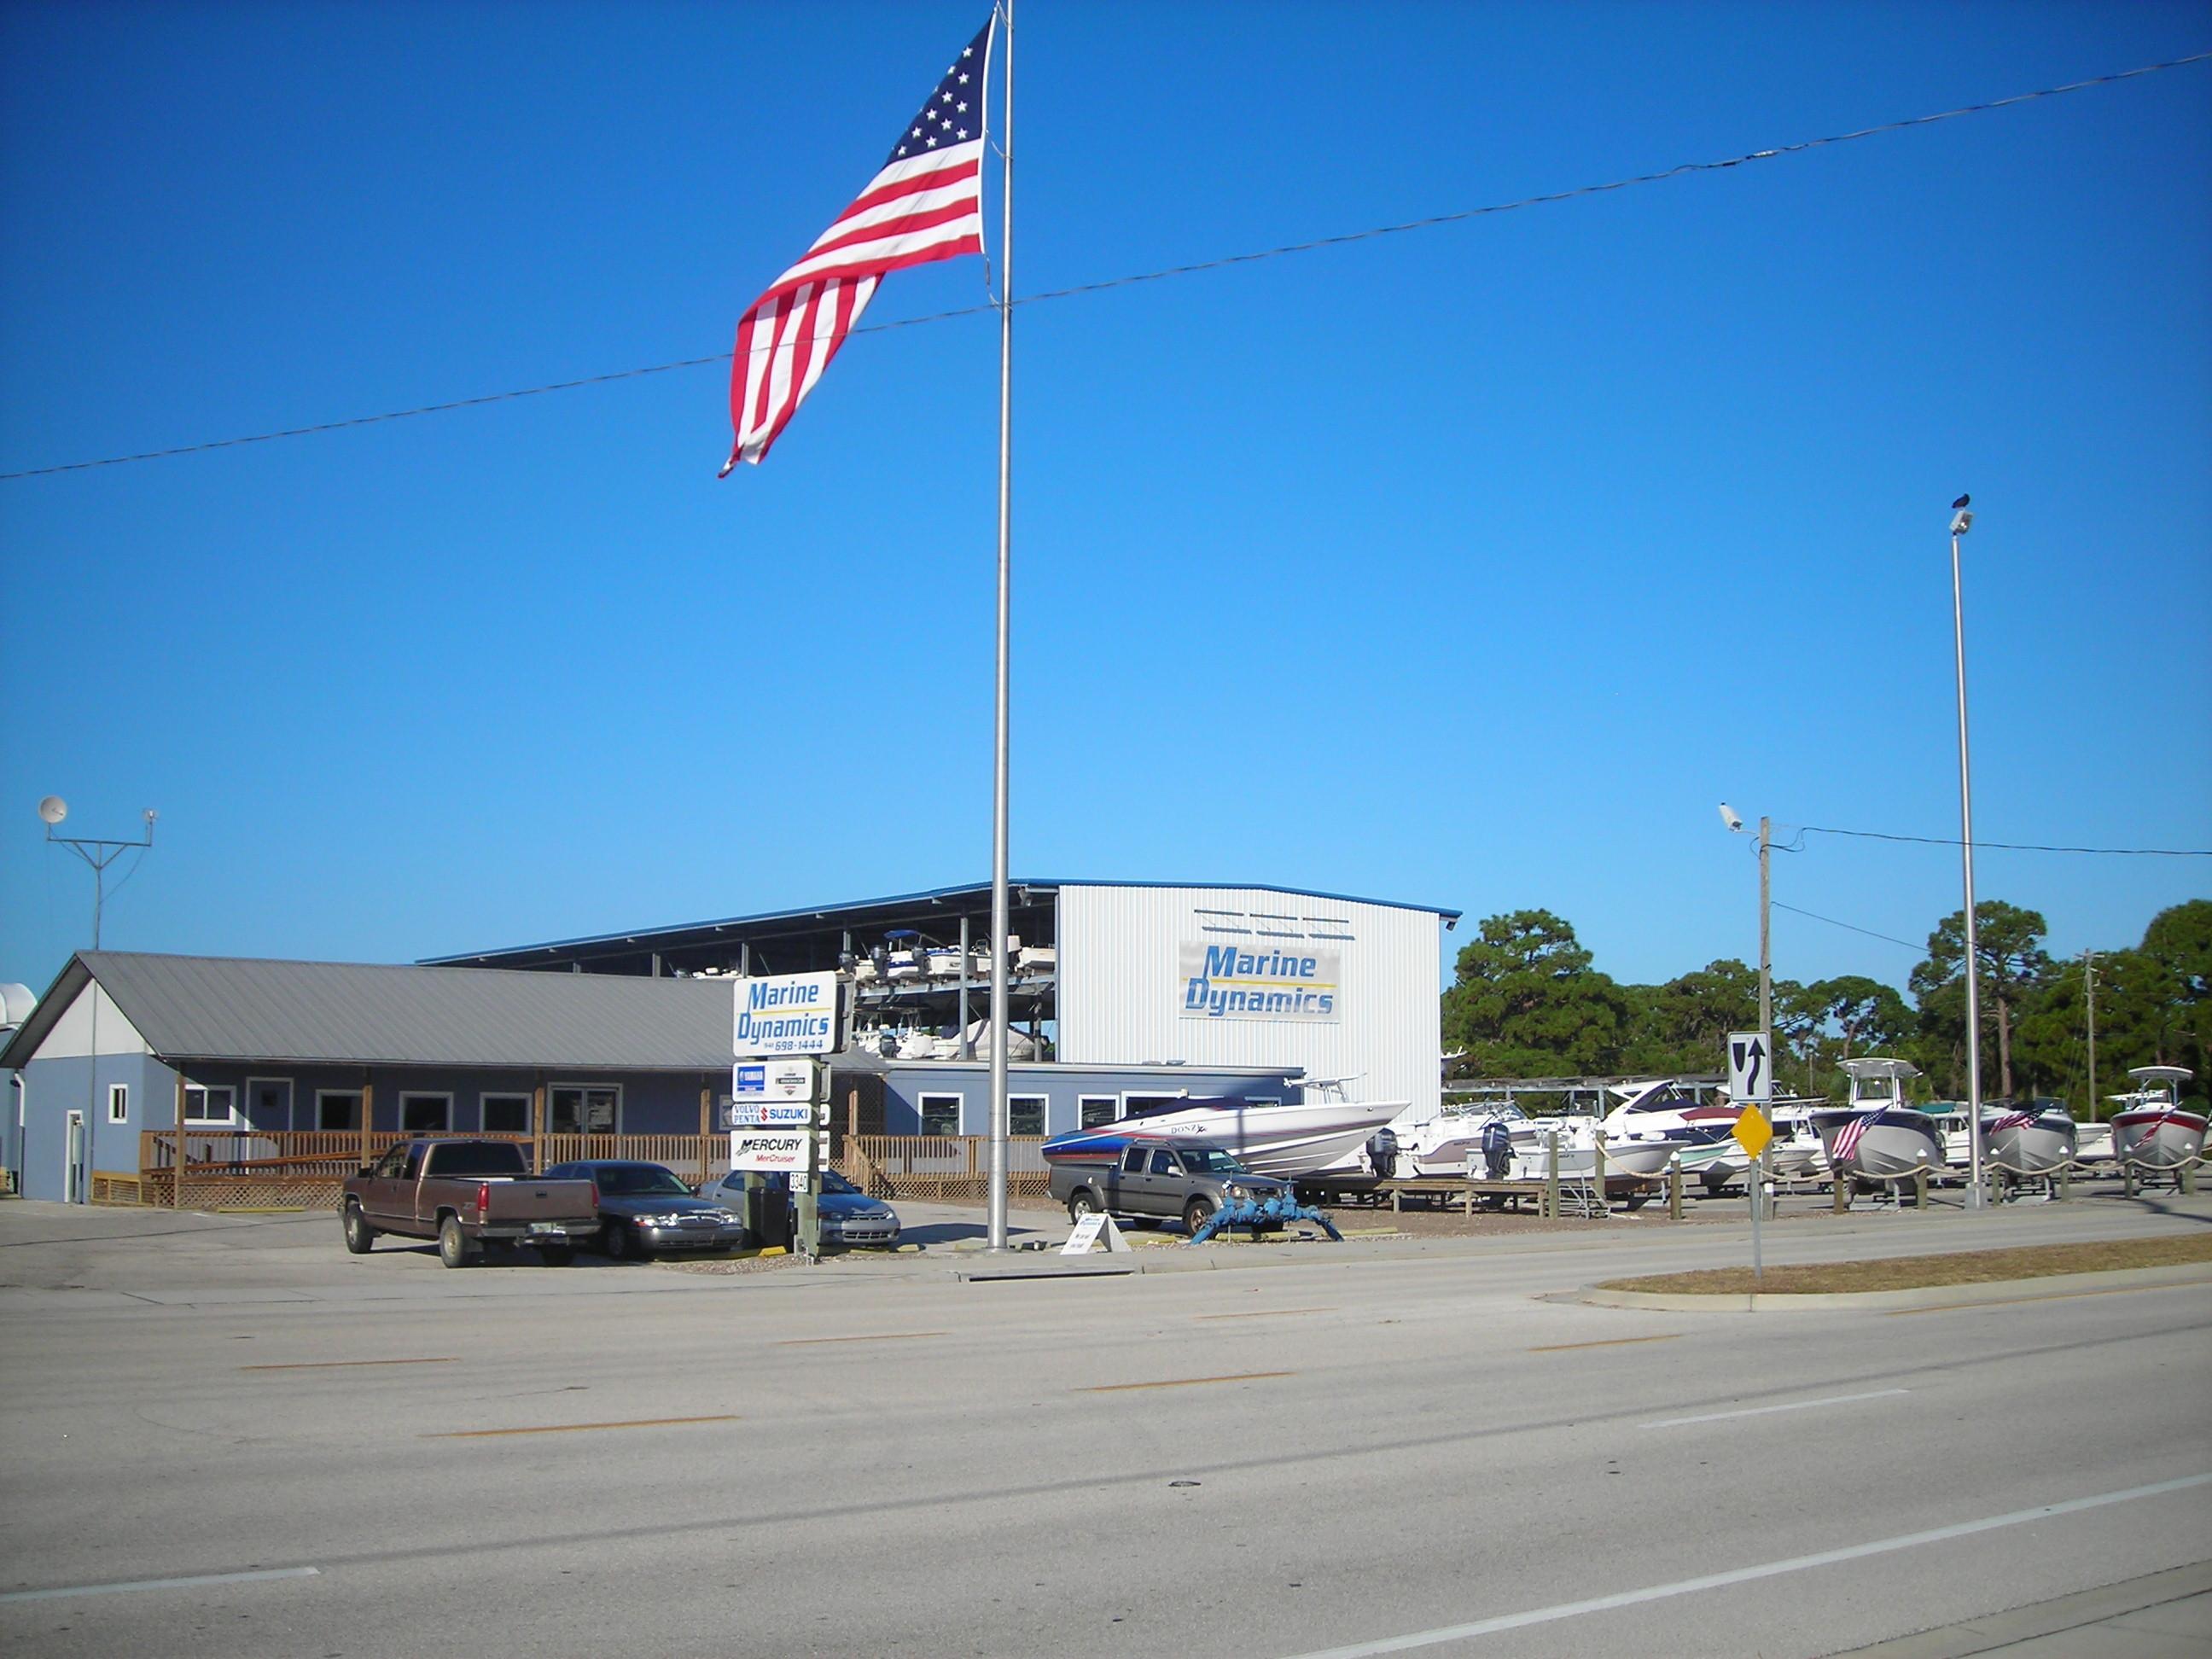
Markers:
point(2012, 1121)
point(1848, 1137)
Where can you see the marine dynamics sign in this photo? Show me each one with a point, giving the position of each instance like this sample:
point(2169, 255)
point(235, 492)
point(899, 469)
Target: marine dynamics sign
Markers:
point(786, 1014)
point(1229, 982)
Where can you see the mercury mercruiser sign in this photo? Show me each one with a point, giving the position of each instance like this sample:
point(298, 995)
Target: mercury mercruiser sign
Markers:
point(1301, 981)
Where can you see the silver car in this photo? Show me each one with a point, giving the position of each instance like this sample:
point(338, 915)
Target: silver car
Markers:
point(848, 1215)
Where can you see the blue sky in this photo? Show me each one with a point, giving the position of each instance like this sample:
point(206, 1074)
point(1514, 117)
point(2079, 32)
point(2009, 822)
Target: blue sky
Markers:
point(1469, 567)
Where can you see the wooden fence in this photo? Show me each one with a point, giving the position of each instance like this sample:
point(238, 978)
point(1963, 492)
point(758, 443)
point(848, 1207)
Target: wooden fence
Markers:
point(225, 1169)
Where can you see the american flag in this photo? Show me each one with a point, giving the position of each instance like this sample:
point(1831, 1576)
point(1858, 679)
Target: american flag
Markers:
point(925, 203)
point(2009, 1121)
point(1847, 1138)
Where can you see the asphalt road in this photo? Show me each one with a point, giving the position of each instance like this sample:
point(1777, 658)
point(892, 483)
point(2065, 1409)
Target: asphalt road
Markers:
point(1348, 1449)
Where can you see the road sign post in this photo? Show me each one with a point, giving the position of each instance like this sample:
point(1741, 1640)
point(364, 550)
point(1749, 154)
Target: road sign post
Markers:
point(1752, 1132)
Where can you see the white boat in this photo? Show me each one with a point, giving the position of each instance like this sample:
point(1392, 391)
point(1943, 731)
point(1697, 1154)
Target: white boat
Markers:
point(2029, 1137)
point(2151, 1130)
point(1578, 1138)
point(1661, 1115)
point(1880, 1137)
point(1301, 1137)
point(1796, 1152)
point(1442, 1143)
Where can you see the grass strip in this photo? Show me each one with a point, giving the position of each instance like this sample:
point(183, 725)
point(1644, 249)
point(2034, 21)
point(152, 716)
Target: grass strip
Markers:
point(1918, 1271)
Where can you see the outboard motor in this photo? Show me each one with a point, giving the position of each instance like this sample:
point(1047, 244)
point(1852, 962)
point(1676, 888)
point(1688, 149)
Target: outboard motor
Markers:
point(1382, 1153)
point(1496, 1149)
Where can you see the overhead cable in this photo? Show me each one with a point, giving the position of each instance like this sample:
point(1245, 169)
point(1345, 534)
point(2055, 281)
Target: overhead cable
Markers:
point(2016, 846)
point(1681, 171)
point(1848, 926)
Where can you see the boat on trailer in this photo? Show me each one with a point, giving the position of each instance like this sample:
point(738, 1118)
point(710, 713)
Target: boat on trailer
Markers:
point(1880, 1137)
point(2029, 1137)
point(2152, 1130)
point(1301, 1137)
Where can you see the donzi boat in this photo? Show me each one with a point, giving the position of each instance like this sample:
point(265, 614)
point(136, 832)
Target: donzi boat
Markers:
point(1878, 1137)
point(1285, 1141)
point(2151, 1131)
point(2029, 1137)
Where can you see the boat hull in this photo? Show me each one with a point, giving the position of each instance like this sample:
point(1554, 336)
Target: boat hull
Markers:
point(1895, 1148)
point(2034, 1148)
point(2158, 1138)
point(1285, 1141)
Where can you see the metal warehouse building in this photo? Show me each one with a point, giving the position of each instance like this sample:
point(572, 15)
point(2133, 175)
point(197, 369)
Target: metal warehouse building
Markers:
point(1107, 977)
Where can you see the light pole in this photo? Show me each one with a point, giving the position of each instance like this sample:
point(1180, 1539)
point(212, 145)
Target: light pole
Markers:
point(1962, 522)
point(97, 854)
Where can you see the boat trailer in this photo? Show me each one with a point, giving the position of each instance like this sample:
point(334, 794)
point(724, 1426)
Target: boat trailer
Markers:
point(1261, 1215)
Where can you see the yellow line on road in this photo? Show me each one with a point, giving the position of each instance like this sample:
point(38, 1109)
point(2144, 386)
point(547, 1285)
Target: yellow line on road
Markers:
point(577, 1428)
point(1606, 1342)
point(2055, 1296)
point(341, 1364)
point(1267, 1313)
point(1183, 1381)
point(886, 1336)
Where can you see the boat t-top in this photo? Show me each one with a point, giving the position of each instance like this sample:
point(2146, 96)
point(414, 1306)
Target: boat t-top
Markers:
point(1880, 1136)
point(2152, 1130)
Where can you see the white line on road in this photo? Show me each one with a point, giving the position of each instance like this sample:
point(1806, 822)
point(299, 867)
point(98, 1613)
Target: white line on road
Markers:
point(1428, 1638)
point(1763, 1411)
point(164, 1583)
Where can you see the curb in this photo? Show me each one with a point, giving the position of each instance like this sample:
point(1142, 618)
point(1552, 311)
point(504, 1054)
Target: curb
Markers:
point(1980, 1294)
point(2080, 1612)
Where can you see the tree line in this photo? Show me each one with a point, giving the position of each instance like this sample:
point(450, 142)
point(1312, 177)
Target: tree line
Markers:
point(1526, 1001)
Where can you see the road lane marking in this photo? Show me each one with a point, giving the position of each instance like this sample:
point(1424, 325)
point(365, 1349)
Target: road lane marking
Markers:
point(1764, 1411)
point(1428, 1638)
point(194, 1583)
point(577, 1428)
point(1267, 1313)
point(341, 1364)
point(2052, 1296)
point(1604, 1342)
point(1183, 1381)
point(887, 1336)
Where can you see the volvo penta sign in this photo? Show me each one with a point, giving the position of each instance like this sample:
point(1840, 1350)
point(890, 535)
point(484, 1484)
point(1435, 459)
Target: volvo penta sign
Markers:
point(1300, 982)
point(786, 1014)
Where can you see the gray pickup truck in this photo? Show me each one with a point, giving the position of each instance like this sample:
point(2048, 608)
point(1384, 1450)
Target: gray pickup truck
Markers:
point(1162, 1178)
point(465, 1194)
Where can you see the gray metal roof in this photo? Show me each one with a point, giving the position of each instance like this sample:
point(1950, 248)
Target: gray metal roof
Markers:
point(360, 1013)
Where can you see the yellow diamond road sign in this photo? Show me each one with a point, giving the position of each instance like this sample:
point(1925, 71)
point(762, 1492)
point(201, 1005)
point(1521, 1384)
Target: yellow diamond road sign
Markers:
point(1752, 1131)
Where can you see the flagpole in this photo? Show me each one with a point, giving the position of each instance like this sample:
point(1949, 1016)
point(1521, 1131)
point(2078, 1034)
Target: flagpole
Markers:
point(1000, 918)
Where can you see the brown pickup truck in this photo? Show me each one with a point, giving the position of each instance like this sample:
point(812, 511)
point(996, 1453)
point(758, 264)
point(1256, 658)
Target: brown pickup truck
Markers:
point(462, 1194)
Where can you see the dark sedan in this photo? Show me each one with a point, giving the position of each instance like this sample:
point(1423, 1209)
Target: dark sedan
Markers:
point(644, 1207)
point(848, 1215)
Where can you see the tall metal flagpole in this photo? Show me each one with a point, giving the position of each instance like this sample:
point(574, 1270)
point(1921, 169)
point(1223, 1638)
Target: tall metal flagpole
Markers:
point(1961, 523)
point(1001, 918)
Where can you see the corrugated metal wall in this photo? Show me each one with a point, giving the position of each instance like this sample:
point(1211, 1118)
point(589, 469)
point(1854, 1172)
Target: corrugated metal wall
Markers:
point(1121, 990)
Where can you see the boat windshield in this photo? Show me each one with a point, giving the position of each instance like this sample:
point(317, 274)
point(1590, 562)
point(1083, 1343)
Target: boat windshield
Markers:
point(1210, 1160)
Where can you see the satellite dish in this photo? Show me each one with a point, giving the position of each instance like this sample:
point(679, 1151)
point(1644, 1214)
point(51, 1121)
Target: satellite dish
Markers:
point(53, 809)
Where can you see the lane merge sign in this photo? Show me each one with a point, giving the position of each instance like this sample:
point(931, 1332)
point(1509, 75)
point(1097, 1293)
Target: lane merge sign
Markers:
point(1750, 1076)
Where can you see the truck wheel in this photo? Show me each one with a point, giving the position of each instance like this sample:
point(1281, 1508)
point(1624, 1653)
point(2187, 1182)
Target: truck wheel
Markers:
point(556, 1255)
point(617, 1242)
point(455, 1248)
point(1080, 1204)
point(360, 1237)
point(1197, 1213)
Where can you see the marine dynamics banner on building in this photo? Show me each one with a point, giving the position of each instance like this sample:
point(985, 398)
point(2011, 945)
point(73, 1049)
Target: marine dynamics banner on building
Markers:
point(1303, 982)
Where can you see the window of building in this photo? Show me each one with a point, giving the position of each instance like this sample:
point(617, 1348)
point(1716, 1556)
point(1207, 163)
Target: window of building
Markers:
point(584, 1109)
point(203, 1104)
point(425, 1115)
point(506, 1115)
point(1265, 1100)
point(118, 1102)
point(1093, 1110)
point(940, 1114)
point(1133, 1104)
point(337, 1108)
point(1025, 1114)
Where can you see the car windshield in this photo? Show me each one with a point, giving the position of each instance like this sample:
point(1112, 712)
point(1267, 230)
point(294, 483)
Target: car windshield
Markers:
point(638, 1180)
point(1210, 1160)
point(834, 1182)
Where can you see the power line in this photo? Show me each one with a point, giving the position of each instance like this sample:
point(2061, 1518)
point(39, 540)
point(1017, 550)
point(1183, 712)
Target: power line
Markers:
point(1848, 926)
point(2015, 846)
point(1222, 264)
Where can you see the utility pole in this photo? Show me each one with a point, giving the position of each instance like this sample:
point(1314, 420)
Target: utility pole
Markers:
point(1962, 522)
point(2089, 984)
